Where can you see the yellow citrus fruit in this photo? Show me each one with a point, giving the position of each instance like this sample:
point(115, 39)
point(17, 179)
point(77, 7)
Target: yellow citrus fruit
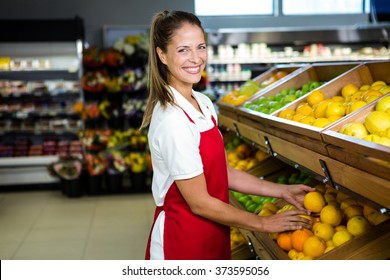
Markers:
point(378, 83)
point(370, 93)
point(315, 97)
point(364, 87)
point(349, 89)
point(383, 104)
point(384, 90)
point(331, 214)
point(320, 108)
point(340, 196)
point(371, 98)
point(286, 114)
point(377, 122)
point(265, 213)
point(352, 211)
point(340, 228)
point(355, 129)
point(324, 231)
point(292, 253)
point(329, 243)
point(358, 225)
point(338, 98)
point(297, 117)
point(340, 237)
point(347, 202)
point(307, 120)
point(332, 119)
point(304, 109)
point(314, 247)
point(356, 105)
point(321, 122)
point(329, 248)
point(329, 196)
point(270, 206)
point(335, 109)
point(314, 201)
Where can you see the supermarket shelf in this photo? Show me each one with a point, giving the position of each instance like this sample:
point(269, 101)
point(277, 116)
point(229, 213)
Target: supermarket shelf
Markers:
point(32, 161)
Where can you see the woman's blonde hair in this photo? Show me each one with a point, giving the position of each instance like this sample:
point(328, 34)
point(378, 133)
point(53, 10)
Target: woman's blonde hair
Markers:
point(162, 29)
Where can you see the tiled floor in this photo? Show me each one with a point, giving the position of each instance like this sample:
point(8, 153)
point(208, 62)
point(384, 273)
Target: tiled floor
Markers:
point(48, 225)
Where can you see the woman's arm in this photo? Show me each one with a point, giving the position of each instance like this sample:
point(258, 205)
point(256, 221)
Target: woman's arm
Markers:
point(244, 182)
point(195, 193)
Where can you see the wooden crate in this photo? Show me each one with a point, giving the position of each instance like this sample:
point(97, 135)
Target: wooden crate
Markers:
point(315, 72)
point(230, 110)
point(362, 154)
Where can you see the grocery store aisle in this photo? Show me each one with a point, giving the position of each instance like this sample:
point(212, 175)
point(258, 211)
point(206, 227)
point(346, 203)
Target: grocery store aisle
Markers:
point(47, 225)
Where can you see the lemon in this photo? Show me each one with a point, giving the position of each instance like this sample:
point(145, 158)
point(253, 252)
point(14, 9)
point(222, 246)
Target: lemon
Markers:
point(340, 237)
point(329, 248)
point(334, 118)
point(329, 243)
point(384, 90)
point(340, 228)
point(383, 104)
point(320, 108)
point(358, 225)
point(287, 114)
point(307, 120)
point(377, 122)
point(364, 87)
point(314, 247)
point(349, 89)
point(335, 109)
point(324, 231)
point(369, 94)
point(378, 83)
point(340, 196)
point(356, 106)
point(354, 129)
point(331, 214)
point(347, 202)
point(265, 213)
point(315, 97)
point(314, 201)
point(270, 206)
point(353, 210)
point(292, 253)
point(321, 122)
point(304, 109)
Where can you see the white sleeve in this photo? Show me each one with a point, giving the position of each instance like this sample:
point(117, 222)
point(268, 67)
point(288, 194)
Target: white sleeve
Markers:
point(179, 147)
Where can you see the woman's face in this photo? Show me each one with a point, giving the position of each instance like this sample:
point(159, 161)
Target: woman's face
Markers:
point(186, 56)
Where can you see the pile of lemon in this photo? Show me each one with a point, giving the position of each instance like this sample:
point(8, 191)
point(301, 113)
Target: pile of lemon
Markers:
point(341, 218)
point(376, 125)
point(320, 111)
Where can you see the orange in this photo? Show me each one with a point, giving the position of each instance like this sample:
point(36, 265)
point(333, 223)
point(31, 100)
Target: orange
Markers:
point(320, 108)
point(349, 89)
point(356, 105)
point(321, 122)
point(284, 240)
point(331, 214)
point(324, 231)
point(358, 225)
point(314, 247)
point(314, 201)
point(287, 114)
point(370, 93)
point(299, 237)
point(335, 109)
point(315, 97)
point(304, 109)
point(340, 237)
point(307, 120)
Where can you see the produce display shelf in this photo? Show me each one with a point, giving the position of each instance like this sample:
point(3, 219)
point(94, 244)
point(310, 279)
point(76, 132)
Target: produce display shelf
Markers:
point(362, 154)
point(328, 74)
point(231, 110)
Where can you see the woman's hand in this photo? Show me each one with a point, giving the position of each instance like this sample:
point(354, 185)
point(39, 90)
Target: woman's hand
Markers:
point(287, 220)
point(294, 194)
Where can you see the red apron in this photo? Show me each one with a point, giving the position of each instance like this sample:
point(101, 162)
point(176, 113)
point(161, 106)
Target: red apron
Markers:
point(188, 236)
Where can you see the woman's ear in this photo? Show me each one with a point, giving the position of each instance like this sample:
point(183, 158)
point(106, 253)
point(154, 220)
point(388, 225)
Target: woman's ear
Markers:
point(161, 55)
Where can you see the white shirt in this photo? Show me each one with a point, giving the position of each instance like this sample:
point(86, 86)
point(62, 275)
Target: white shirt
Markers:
point(174, 146)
